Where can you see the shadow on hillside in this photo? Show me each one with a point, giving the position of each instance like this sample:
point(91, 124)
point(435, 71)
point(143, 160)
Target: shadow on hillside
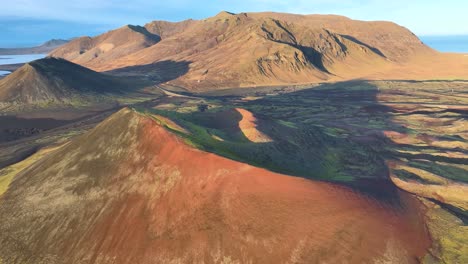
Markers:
point(332, 132)
point(335, 134)
point(353, 39)
point(315, 57)
point(158, 72)
point(145, 32)
point(127, 83)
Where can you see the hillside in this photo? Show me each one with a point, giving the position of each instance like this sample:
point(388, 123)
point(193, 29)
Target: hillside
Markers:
point(387, 39)
point(129, 191)
point(249, 49)
point(105, 48)
point(166, 29)
point(42, 49)
point(53, 81)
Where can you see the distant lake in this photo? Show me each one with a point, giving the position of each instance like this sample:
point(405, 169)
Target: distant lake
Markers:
point(447, 43)
point(14, 59)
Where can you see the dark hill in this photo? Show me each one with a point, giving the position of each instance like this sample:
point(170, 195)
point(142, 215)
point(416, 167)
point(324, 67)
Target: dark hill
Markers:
point(57, 81)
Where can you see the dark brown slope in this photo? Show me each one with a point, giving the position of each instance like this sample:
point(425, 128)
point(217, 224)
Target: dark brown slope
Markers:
point(104, 48)
point(131, 192)
point(42, 49)
point(53, 81)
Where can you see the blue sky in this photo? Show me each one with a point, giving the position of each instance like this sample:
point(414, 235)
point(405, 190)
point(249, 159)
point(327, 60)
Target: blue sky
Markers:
point(29, 22)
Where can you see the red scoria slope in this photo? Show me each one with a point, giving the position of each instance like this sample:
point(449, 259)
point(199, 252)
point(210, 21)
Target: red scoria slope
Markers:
point(131, 192)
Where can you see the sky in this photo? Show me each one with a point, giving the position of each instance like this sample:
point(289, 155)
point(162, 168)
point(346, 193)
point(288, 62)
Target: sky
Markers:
point(31, 22)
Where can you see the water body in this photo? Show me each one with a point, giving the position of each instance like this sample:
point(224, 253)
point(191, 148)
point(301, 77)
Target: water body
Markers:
point(458, 44)
point(15, 59)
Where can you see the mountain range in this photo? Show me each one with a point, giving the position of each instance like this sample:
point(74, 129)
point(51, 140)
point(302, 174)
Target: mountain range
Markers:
point(41, 49)
point(250, 49)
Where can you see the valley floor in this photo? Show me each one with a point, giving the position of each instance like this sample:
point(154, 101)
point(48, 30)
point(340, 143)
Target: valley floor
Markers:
point(403, 144)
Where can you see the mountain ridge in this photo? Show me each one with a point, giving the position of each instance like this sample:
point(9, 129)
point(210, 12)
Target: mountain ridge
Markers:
point(249, 49)
point(89, 51)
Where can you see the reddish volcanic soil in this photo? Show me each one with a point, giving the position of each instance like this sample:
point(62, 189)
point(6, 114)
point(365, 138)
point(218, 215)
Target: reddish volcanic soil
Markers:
point(131, 192)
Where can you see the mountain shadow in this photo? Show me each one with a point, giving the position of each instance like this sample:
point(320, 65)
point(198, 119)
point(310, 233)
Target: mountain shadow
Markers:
point(374, 49)
point(333, 132)
point(58, 81)
point(365, 135)
point(158, 72)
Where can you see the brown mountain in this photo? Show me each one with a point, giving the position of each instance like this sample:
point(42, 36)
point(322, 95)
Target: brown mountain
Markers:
point(52, 81)
point(247, 49)
point(107, 47)
point(166, 29)
point(385, 38)
point(129, 191)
